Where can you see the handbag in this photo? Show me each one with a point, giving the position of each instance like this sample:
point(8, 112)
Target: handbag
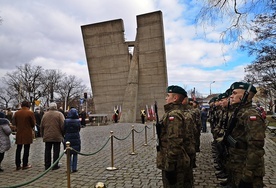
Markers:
point(12, 138)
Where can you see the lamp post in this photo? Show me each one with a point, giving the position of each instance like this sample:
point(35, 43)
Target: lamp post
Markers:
point(210, 86)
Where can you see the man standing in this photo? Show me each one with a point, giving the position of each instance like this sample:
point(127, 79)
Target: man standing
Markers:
point(38, 116)
point(116, 115)
point(143, 116)
point(172, 157)
point(24, 121)
point(83, 117)
point(204, 117)
point(247, 129)
point(9, 114)
point(52, 131)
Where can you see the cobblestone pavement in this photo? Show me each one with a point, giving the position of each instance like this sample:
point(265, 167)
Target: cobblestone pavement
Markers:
point(137, 171)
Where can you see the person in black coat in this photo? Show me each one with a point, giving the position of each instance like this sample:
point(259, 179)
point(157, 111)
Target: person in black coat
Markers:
point(38, 116)
point(72, 127)
point(204, 117)
point(83, 117)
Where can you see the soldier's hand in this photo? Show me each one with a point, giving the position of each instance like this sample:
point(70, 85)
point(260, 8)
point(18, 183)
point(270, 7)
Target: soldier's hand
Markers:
point(244, 184)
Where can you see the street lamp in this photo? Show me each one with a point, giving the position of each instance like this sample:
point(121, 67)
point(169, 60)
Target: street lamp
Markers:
point(210, 86)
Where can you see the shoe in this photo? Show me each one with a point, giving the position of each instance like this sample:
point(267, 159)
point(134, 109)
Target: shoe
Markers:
point(74, 171)
point(220, 172)
point(1, 170)
point(56, 167)
point(18, 168)
point(26, 167)
point(223, 183)
point(217, 167)
point(222, 176)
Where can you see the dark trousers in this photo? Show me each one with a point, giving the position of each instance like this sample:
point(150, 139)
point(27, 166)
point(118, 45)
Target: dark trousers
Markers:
point(143, 119)
point(25, 155)
point(204, 126)
point(48, 152)
point(1, 157)
point(177, 179)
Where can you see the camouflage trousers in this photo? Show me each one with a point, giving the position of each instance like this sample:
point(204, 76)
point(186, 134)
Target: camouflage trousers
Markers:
point(235, 171)
point(178, 179)
point(235, 178)
point(197, 144)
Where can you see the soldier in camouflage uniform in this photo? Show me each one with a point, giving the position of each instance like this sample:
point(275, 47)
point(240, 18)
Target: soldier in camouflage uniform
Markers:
point(196, 113)
point(212, 113)
point(172, 158)
point(217, 117)
point(221, 153)
point(192, 127)
point(246, 157)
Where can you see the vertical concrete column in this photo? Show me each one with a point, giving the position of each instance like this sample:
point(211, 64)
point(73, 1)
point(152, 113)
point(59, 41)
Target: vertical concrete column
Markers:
point(130, 98)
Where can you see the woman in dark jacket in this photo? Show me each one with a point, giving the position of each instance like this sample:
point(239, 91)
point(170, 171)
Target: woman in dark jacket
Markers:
point(72, 127)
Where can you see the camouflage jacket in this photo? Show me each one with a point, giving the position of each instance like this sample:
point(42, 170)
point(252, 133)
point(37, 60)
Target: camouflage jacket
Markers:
point(195, 112)
point(190, 140)
point(249, 132)
point(212, 116)
point(174, 135)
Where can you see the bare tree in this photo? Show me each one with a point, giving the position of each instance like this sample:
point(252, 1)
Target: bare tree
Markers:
point(70, 89)
point(6, 97)
point(263, 69)
point(35, 84)
point(235, 14)
point(26, 82)
point(50, 85)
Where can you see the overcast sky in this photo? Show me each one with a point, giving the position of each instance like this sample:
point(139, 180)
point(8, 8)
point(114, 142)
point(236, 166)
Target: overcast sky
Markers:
point(48, 33)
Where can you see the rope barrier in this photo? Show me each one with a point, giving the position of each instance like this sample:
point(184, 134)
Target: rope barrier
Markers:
point(88, 154)
point(123, 138)
point(37, 177)
point(139, 131)
point(148, 127)
point(68, 149)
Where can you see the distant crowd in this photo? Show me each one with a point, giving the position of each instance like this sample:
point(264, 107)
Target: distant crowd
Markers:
point(54, 126)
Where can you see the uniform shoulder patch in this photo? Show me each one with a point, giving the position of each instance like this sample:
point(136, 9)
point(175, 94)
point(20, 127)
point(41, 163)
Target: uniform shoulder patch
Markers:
point(253, 118)
point(171, 118)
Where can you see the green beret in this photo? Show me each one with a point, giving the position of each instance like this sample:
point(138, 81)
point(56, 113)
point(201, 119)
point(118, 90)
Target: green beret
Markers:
point(242, 85)
point(176, 89)
point(213, 99)
point(222, 96)
point(228, 92)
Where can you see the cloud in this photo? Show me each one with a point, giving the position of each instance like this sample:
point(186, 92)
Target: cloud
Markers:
point(48, 33)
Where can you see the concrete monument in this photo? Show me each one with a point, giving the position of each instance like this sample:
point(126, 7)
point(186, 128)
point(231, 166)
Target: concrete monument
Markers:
point(122, 78)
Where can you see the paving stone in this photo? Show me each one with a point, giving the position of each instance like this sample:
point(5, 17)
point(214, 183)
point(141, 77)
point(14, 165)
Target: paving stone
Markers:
point(137, 171)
